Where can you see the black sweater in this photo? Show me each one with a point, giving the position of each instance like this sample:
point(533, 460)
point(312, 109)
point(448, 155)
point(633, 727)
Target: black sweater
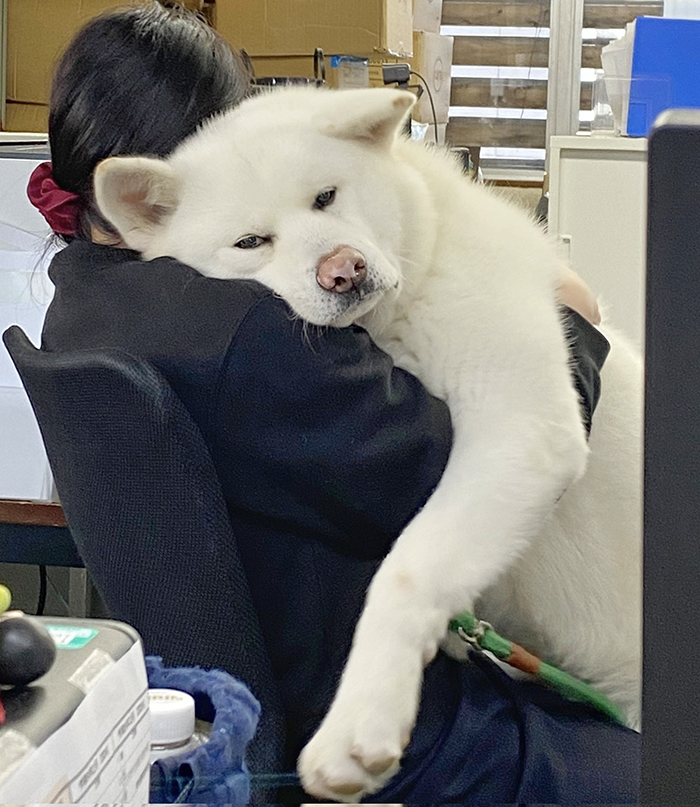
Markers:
point(324, 449)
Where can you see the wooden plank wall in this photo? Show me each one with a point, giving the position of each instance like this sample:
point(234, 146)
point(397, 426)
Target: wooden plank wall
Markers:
point(521, 52)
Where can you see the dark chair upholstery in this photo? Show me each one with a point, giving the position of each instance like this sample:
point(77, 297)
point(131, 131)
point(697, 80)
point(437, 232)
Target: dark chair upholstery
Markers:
point(145, 508)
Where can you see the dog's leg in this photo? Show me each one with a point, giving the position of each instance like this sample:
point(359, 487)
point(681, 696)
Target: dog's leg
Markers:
point(496, 490)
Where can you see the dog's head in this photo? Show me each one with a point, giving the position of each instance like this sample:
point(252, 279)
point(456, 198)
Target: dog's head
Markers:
point(296, 189)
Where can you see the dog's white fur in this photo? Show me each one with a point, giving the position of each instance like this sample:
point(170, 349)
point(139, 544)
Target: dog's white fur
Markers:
point(464, 297)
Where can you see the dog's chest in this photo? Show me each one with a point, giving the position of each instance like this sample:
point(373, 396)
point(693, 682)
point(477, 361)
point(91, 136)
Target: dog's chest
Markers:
point(411, 334)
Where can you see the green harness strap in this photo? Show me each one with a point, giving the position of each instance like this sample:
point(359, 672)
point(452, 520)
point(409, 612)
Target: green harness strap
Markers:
point(481, 636)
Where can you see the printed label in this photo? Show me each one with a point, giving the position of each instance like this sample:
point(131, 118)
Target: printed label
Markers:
point(91, 670)
point(69, 637)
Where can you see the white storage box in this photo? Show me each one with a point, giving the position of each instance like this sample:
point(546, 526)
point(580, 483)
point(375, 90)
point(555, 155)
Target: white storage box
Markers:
point(432, 58)
point(25, 292)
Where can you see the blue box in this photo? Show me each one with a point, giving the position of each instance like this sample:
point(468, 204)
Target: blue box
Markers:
point(665, 70)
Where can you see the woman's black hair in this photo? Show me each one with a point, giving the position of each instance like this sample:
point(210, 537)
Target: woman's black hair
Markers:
point(136, 80)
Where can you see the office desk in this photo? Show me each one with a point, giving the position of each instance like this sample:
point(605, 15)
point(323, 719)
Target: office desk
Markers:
point(36, 533)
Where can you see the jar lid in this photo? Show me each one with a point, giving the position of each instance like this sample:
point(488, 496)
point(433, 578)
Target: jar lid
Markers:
point(172, 716)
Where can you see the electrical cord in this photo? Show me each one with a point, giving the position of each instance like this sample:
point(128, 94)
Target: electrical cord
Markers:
point(432, 104)
point(43, 586)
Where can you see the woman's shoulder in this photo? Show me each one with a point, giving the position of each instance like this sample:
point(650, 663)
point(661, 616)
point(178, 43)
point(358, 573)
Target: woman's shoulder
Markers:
point(110, 297)
point(123, 272)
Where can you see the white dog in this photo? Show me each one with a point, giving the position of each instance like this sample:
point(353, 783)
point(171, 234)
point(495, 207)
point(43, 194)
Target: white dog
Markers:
point(316, 195)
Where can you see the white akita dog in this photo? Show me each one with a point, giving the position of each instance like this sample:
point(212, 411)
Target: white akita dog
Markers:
point(318, 196)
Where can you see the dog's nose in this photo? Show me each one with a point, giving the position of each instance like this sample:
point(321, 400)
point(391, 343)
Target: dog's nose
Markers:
point(342, 270)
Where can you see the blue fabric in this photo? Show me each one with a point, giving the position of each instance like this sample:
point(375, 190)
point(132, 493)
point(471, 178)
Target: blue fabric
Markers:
point(216, 772)
point(483, 738)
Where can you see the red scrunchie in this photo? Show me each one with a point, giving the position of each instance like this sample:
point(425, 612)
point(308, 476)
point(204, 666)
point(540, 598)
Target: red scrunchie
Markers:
point(60, 208)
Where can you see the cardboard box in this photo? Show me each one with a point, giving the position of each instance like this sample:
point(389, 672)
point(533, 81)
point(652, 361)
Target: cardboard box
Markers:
point(427, 15)
point(284, 28)
point(432, 58)
point(38, 31)
point(26, 117)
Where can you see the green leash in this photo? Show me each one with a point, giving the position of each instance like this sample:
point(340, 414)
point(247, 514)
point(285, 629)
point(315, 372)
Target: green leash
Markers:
point(481, 636)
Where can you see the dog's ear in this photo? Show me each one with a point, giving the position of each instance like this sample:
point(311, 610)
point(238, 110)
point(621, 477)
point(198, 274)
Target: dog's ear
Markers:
point(372, 116)
point(136, 195)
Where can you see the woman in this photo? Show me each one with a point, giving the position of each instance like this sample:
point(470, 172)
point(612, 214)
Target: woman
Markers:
point(324, 449)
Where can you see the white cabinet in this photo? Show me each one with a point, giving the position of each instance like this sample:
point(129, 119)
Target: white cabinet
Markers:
point(25, 292)
point(597, 212)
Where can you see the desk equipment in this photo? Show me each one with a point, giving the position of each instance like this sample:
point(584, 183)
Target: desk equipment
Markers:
point(81, 732)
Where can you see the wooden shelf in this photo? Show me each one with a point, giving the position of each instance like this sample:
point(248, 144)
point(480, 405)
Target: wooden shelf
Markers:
point(38, 514)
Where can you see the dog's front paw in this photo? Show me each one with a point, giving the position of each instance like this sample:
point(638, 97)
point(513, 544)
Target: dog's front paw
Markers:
point(357, 750)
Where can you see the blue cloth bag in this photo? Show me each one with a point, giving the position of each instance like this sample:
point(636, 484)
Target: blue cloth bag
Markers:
point(216, 772)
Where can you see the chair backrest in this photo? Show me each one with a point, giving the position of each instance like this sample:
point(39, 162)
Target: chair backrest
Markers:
point(144, 505)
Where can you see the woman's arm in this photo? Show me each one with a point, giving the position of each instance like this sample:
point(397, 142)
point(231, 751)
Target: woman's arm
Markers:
point(328, 439)
point(325, 437)
point(574, 293)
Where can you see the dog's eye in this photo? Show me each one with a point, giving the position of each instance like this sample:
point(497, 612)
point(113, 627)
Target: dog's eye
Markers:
point(324, 199)
point(251, 241)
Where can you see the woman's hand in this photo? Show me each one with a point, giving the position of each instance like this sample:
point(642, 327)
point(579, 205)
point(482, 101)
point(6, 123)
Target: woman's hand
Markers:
point(573, 292)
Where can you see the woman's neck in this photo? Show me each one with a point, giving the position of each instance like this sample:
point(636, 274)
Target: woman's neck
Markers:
point(99, 236)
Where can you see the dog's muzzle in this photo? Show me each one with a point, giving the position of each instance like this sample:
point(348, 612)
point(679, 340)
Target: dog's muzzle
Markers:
point(345, 269)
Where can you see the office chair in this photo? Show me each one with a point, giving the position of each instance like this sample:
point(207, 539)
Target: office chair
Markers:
point(144, 505)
